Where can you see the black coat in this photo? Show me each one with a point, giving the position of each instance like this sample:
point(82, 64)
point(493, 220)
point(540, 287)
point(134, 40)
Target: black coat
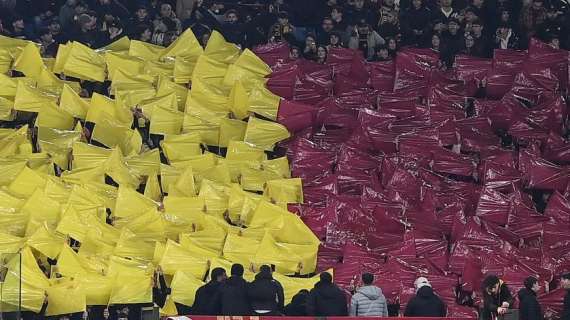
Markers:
point(566, 311)
point(207, 301)
point(327, 300)
point(492, 302)
point(298, 305)
point(266, 293)
point(425, 304)
point(529, 307)
point(233, 296)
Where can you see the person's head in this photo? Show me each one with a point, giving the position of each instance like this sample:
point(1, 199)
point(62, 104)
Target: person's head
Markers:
point(478, 3)
point(45, 35)
point(388, 17)
point(453, 26)
point(71, 3)
point(359, 4)
point(554, 42)
point(505, 16)
point(565, 280)
point(392, 44)
point(326, 277)
point(388, 3)
point(237, 270)
point(503, 29)
point(231, 17)
point(531, 283)
point(80, 8)
point(218, 275)
point(165, 10)
point(87, 22)
point(18, 23)
point(334, 39)
point(54, 27)
point(115, 27)
point(310, 41)
point(421, 282)
point(491, 283)
point(327, 24)
point(143, 33)
point(322, 53)
point(294, 53)
point(537, 4)
point(205, 38)
point(435, 41)
point(446, 3)
point(336, 13)
point(363, 29)
point(417, 3)
point(470, 15)
point(367, 279)
point(477, 27)
point(283, 18)
point(141, 13)
point(265, 271)
point(382, 53)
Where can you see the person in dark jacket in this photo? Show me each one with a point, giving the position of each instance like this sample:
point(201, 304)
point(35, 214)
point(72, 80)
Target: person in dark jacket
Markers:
point(266, 294)
point(497, 298)
point(326, 299)
point(207, 301)
point(426, 303)
point(528, 304)
point(233, 294)
point(298, 305)
point(565, 282)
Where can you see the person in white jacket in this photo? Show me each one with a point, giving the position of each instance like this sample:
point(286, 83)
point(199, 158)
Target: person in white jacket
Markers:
point(368, 301)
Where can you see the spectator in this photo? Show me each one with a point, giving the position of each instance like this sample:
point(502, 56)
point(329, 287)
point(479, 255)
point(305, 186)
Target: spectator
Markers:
point(415, 23)
point(453, 38)
point(426, 303)
point(294, 53)
point(357, 13)
point(265, 294)
point(310, 50)
point(436, 43)
point(232, 28)
point(167, 12)
point(469, 17)
point(532, 15)
point(142, 33)
point(322, 53)
point(48, 46)
point(184, 8)
point(338, 19)
point(115, 31)
point(67, 13)
point(497, 298)
point(382, 54)
point(506, 38)
point(528, 304)
point(55, 28)
point(18, 29)
point(565, 283)
point(553, 25)
point(324, 34)
point(326, 299)
point(165, 27)
point(233, 294)
point(481, 42)
point(469, 46)
point(88, 33)
point(141, 17)
point(298, 305)
point(444, 13)
point(392, 45)
point(368, 301)
point(365, 40)
point(207, 301)
point(388, 25)
point(335, 40)
point(113, 8)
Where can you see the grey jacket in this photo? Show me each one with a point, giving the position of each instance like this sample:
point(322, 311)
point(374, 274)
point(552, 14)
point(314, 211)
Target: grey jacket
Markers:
point(374, 40)
point(368, 301)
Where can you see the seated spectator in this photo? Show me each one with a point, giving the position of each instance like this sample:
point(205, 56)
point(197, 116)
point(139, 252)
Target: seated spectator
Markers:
point(232, 28)
point(18, 29)
point(481, 42)
point(204, 39)
point(323, 36)
point(55, 28)
point(335, 40)
point(207, 301)
point(506, 38)
point(115, 31)
point(322, 53)
point(48, 46)
point(67, 13)
point(497, 298)
point(388, 25)
point(142, 33)
point(113, 8)
point(382, 54)
point(469, 46)
point(415, 23)
point(365, 40)
point(529, 308)
point(445, 12)
point(368, 301)
point(340, 23)
point(392, 45)
point(298, 305)
point(167, 12)
point(453, 40)
point(469, 18)
point(164, 27)
point(426, 303)
point(326, 299)
point(294, 53)
point(265, 294)
point(141, 16)
point(88, 33)
point(233, 294)
point(357, 13)
point(554, 24)
point(310, 50)
point(532, 15)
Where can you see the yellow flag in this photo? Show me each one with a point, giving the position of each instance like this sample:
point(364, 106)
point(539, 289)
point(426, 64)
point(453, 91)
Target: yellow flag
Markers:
point(122, 45)
point(116, 168)
point(209, 70)
point(130, 203)
point(184, 68)
point(6, 59)
point(184, 287)
point(221, 50)
point(186, 45)
point(31, 99)
point(84, 63)
point(263, 102)
point(10, 243)
point(207, 96)
point(88, 156)
point(239, 101)
point(9, 85)
point(97, 288)
point(116, 61)
point(209, 131)
point(147, 226)
point(52, 116)
point(145, 164)
point(166, 121)
point(66, 297)
point(145, 50)
point(168, 101)
point(30, 61)
point(284, 191)
point(131, 288)
point(265, 134)
point(133, 246)
point(26, 182)
point(240, 249)
point(278, 166)
point(68, 263)
point(166, 87)
point(152, 188)
point(46, 241)
point(176, 258)
point(238, 150)
point(180, 151)
point(63, 51)
point(6, 109)
point(231, 130)
point(72, 103)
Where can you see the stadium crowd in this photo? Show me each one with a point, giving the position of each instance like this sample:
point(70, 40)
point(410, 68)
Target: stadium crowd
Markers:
point(377, 27)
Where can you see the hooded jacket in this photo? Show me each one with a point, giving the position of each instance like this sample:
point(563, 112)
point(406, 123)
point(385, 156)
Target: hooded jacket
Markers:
point(425, 304)
point(266, 293)
point(207, 301)
point(529, 307)
point(326, 299)
point(566, 311)
point(368, 301)
point(233, 295)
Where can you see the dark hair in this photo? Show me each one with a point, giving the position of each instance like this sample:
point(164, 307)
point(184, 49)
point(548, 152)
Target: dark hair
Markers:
point(217, 272)
point(231, 11)
point(367, 278)
point(490, 281)
point(326, 277)
point(529, 282)
point(237, 269)
point(265, 269)
point(565, 276)
point(169, 23)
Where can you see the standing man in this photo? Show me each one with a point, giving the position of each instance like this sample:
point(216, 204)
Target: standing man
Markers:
point(207, 301)
point(528, 304)
point(497, 298)
point(565, 282)
point(326, 299)
point(233, 294)
point(426, 303)
point(368, 301)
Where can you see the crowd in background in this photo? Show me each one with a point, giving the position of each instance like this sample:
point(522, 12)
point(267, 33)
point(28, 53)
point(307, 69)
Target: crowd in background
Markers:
point(377, 27)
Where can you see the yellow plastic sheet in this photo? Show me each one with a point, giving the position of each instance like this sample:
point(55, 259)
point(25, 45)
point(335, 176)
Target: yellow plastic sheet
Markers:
point(145, 50)
point(84, 63)
point(47, 242)
point(284, 191)
point(176, 258)
point(130, 203)
point(152, 189)
point(168, 101)
point(145, 164)
point(52, 116)
point(10, 243)
point(265, 134)
point(30, 62)
point(239, 249)
point(72, 103)
point(263, 102)
point(231, 130)
point(166, 121)
point(184, 287)
point(186, 45)
point(122, 45)
point(6, 109)
point(131, 288)
point(239, 101)
point(31, 99)
point(221, 50)
point(128, 64)
point(66, 297)
point(209, 70)
point(97, 288)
